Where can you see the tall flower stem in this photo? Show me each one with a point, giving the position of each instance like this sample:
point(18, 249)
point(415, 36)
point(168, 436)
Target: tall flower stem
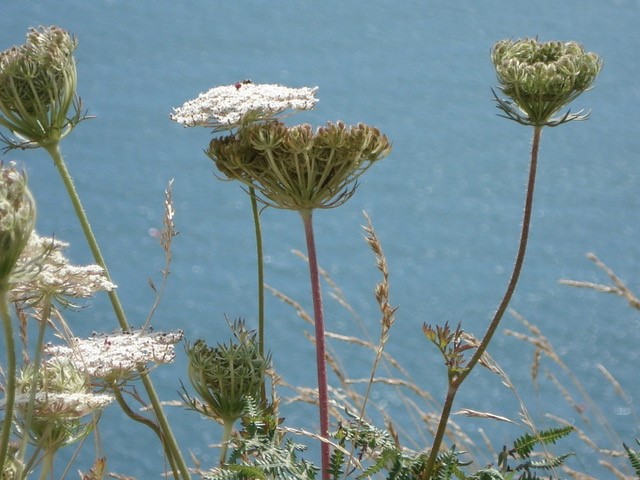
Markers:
point(321, 365)
point(168, 440)
point(10, 375)
point(456, 381)
point(260, 262)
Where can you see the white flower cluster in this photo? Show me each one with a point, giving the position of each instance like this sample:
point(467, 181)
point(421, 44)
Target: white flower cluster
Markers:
point(65, 404)
point(229, 106)
point(43, 270)
point(118, 355)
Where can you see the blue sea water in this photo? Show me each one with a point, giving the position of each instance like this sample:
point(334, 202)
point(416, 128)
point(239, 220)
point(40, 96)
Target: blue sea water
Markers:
point(446, 204)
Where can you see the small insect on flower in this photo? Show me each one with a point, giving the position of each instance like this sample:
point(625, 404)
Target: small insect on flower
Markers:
point(243, 82)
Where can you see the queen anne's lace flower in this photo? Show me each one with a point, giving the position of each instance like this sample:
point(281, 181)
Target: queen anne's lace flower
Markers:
point(230, 106)
point(74, 404)
point(43, 270)
point(118, 355)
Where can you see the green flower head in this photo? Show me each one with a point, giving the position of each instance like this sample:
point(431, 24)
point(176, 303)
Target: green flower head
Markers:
point(17, 218)
point(38, 87)
point(298, 168)
point(541, 78)
point(226, 376)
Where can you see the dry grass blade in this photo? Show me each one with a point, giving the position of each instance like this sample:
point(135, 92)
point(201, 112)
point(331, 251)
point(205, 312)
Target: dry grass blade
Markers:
point(618, 288)
point(616, 385)
point(491, 416)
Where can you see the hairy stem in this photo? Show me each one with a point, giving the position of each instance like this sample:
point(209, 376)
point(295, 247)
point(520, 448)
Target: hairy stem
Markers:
point(10, 375)
point(321, 365)
point(457, 380)
point(168, 440)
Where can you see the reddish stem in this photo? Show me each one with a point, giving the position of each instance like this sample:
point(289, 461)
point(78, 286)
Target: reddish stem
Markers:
point(321, 365)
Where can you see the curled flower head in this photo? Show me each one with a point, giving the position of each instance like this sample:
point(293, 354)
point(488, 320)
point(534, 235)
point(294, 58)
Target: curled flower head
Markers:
point(38, 86)
point(299, 168)
point(17, 218)
point(62, 397)
point(225, 376)
point(43, 271)
point(231, 106)
point(118, 356)
point(541, 78)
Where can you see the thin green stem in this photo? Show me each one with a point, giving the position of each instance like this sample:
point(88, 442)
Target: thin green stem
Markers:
point(10, 375)
point(321, 364)
point(456, 381)
point(260, 263)
point(168, 439)
point(37, 357)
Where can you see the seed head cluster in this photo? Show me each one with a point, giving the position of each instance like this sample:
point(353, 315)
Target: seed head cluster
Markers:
point(38, 85)
point(299, 168)
point(17, 218)
point(541, 78)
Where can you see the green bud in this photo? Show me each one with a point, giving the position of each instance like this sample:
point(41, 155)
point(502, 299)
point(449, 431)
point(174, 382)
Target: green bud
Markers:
point(542, 78)
point(38, 87)
point(225, 376)
point(17, 218)
point(297, 168)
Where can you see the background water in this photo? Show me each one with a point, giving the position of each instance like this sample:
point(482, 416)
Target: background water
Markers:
point(446, 203)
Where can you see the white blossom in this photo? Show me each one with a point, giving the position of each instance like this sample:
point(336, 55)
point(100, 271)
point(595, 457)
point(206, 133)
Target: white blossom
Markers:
point(75, 404)
point(118, 355)
point(229, 106)
point(42, 269)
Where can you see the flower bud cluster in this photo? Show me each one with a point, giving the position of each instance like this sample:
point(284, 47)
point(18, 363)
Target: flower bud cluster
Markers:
point(541, 78)
point(225, 376)
point(17, 218)
point(230, 106)
point(38, 85)
point(297, 168)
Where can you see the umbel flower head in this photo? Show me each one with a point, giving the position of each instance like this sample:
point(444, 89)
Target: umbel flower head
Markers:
point(117, 357)
point(541, 78)
point(38, 87)
point(17, 218)
point(43, 271)
point(62, 397)
point(226, 376)
point(232, 106)
point(299, 168)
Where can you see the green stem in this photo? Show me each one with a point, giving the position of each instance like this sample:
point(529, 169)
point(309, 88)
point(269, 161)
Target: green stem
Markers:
point(456, 381)
point(260, 263)
point(47, 464)
point(321, 364)
point(168, 439)
point(226, 438)
point(37, 357)
point(10, 375)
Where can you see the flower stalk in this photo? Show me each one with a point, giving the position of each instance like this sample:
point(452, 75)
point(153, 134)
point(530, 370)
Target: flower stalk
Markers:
point(321, 363)
point(539, 79)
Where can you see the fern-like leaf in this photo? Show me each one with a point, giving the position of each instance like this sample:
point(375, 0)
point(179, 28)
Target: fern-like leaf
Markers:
point(634, 458)
point(523, 446)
